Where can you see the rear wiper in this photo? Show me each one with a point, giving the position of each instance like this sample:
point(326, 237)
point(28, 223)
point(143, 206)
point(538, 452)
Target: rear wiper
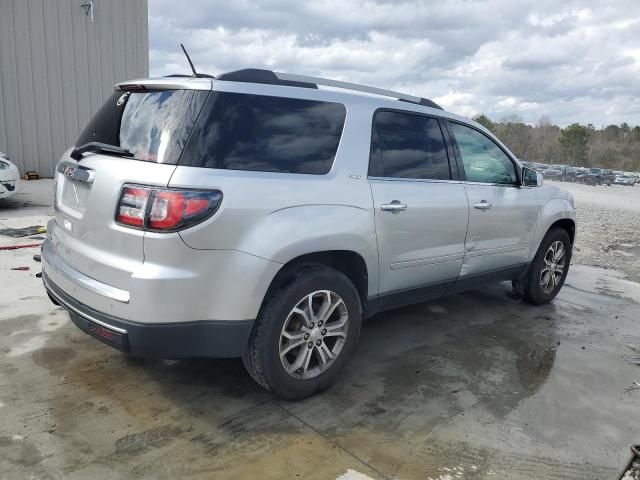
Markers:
point(98, 147)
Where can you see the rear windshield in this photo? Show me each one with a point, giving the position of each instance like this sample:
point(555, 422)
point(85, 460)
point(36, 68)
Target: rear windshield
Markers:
point(269, 134)
point(153, 125)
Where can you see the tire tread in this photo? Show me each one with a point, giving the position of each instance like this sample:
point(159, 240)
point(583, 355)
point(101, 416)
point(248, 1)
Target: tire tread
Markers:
point(253, 353)
point(527, 286)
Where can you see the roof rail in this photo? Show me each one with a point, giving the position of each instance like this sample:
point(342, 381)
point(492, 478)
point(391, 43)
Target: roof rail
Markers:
point(359, 88)
point(256, 75)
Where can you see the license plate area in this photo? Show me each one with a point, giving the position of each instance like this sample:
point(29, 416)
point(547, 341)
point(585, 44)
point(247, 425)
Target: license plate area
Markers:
point(75, 194)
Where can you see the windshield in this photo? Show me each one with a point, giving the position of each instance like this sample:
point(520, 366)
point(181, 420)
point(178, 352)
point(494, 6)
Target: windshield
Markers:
point(152, 125)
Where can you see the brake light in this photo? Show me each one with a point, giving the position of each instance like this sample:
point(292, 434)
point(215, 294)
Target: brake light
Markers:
point(132, 206)
point(165, 209)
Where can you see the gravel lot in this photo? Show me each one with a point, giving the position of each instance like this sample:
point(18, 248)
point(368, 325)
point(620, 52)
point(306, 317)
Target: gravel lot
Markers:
point(608, 226)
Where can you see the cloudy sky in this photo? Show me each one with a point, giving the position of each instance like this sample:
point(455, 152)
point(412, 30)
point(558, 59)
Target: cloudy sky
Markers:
point(575, 61)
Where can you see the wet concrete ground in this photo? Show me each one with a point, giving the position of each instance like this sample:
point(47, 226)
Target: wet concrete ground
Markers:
point(473, 386)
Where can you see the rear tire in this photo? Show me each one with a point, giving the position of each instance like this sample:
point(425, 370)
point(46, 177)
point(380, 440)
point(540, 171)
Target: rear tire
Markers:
point(294, 317)
point(548, 270)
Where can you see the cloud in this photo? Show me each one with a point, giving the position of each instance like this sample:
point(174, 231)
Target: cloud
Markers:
point(576, 60)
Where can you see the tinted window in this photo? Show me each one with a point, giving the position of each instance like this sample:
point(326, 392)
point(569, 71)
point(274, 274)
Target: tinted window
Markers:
point(405, 145)
point(153, 125)
point(483, 160)
point(268, 134)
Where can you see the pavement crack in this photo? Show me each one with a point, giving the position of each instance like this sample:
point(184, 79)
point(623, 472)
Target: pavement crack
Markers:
point(333, 442)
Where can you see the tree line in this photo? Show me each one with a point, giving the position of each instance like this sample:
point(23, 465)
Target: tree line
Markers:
point(615, 146)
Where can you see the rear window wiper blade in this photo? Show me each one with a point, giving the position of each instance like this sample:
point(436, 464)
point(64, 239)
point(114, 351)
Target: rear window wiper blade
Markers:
point(98, 147)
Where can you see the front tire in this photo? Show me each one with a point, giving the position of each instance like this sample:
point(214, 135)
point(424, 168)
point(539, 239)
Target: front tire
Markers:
point(548, 270)
point(305, 333)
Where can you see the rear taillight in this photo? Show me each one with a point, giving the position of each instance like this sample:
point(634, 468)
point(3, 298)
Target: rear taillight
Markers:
point(165, 209)
point(133, 206)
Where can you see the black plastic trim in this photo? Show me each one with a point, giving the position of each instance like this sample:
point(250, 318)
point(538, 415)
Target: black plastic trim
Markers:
point(98, 147)
point(184, 75)
point(433, 291)
point(425, 102)
point(201, 338)
point(258, 75)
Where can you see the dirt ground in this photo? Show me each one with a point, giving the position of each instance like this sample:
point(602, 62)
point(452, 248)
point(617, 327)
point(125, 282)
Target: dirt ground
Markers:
point(608, 226)
point(473, 386)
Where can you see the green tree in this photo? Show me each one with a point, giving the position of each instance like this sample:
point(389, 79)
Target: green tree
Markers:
point(485, 122)
point(573, 143)
point(612, 133)
point(517, 135)
point(614, 146)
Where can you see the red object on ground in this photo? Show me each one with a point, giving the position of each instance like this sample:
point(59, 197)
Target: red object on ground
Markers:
point(16, 247)
point(22, 269)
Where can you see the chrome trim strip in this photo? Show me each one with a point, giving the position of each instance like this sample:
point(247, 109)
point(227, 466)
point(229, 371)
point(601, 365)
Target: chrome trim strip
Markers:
point(84, 315)
point(53, 260)
point(429, 180)
point(509, 185)
point(497, 250)
point(169, 83)
point(418, 180)
point(76, 172)
point(426, 261)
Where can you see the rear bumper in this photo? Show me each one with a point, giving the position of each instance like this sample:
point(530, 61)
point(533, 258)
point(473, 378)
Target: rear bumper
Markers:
point(170, 283)
point(204, 338)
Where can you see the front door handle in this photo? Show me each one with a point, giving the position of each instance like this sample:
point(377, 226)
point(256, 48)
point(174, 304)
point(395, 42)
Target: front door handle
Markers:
point(394, 207)
point(483, 205)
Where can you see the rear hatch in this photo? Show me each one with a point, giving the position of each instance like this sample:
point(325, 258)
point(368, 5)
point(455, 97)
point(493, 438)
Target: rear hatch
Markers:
point(151, 121)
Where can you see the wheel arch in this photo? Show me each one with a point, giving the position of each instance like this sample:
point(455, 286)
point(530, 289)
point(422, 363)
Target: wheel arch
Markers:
point(348, 262)
point(567, 224)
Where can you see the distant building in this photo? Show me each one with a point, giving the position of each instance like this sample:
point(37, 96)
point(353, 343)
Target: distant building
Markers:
point(59, 60)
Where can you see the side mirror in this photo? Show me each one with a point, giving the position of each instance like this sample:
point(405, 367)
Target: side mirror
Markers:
point(531, 178)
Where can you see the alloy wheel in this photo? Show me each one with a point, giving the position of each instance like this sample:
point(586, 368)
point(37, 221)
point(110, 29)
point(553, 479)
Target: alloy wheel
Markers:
point(313, 334)
point(553, 266)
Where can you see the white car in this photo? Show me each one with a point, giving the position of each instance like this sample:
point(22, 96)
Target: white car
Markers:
point(625, 180)
point(9, 177)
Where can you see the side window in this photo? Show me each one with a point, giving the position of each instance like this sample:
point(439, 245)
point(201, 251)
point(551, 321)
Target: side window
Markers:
point(239, 131)
point(406, 145)
point(483, 160)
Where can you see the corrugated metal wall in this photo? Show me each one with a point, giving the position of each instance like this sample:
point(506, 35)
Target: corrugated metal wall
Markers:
point(57, 67)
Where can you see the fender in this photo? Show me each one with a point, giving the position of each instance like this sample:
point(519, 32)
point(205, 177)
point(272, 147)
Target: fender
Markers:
point(551, 210)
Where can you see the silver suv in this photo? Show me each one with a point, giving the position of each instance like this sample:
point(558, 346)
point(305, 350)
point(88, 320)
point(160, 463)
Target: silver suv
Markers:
point(264, 215)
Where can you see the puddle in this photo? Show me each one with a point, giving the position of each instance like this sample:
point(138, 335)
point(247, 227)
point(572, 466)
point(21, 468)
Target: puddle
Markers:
point(53, 358)
point(475, 386)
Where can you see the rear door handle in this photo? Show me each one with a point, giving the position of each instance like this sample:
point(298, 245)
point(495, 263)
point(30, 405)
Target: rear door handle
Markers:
point(394, 207)
point(483, 205)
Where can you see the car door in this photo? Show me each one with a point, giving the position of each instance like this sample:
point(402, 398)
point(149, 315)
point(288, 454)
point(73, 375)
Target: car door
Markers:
point(421, 209)
point(502, 213)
